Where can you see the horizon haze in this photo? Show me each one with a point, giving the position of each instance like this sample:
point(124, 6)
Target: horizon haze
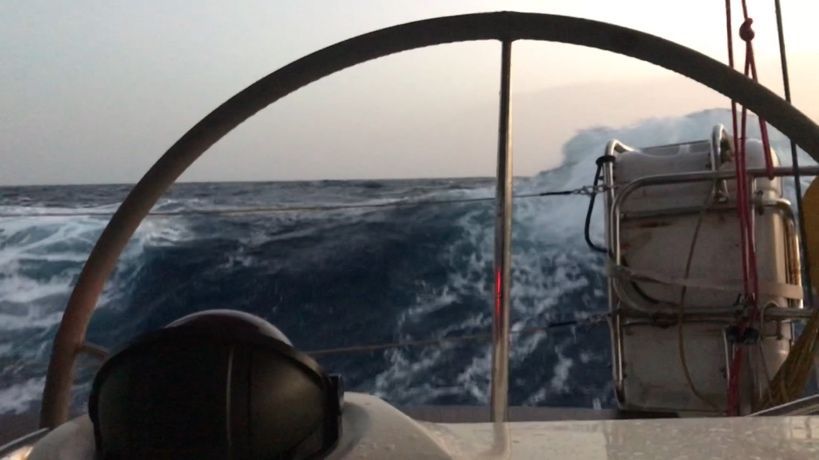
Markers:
point(96, 94)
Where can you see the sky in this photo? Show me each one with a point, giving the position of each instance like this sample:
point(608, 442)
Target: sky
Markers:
point(96, 91)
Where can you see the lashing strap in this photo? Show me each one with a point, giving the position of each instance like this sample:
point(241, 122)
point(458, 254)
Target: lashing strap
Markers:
point(787, 290)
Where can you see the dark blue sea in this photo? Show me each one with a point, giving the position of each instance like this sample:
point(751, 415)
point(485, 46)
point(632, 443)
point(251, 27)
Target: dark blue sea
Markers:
point(405, 271)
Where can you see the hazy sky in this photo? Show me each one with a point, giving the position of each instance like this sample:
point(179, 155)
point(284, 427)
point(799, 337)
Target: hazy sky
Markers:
point(95, 91)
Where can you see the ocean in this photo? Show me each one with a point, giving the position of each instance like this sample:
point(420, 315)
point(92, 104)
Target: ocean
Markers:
point(354, 262)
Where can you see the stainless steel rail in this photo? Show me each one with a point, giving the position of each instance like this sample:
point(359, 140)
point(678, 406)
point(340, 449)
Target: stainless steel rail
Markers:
point(681, 178)
point(615, 326)
point(664, 179)
point(670, 313)
point(793, 261)
point(613, 146)
point(805, 406)
point(503, 246)
point(6, 450)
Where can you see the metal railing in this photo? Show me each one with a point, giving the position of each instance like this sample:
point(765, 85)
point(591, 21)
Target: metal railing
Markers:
point(23, 444)
point(806, 406)
point(626, 190)
point(499, 392)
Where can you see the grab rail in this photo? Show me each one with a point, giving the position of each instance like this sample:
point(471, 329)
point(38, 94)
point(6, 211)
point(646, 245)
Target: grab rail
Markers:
point(677, 178)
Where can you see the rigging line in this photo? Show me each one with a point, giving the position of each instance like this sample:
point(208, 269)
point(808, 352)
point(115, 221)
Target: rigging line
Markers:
point(588, 321)
point(783, 59)
point(733, 392)
point(585, 190)
point(735, 131)
point(746, 32)
point(738, 160)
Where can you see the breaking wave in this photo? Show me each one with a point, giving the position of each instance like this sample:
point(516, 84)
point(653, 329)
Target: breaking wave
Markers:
point(337, 278)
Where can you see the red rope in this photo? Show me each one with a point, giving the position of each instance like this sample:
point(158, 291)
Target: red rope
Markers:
point(746, 217)
point(739, 157)
point(744, 214)
point(746, 32)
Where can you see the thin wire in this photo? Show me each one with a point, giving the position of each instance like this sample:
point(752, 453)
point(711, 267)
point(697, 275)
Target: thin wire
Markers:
point(681, 310)
point(766, 372)
point(783, 58)
point(589, 321)
point(590, 209)
point(586, 190)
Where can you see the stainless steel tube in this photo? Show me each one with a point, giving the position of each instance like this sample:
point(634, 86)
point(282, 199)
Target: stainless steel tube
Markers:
point(808, 405)
point(680, 178)
point(503, 246)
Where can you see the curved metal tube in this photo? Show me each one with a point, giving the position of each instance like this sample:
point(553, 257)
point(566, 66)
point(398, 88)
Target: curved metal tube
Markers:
point(808, 405)
point(482, 26)
point(24, 441)
point(612, 147)
point(679, 178)
point(793, 263)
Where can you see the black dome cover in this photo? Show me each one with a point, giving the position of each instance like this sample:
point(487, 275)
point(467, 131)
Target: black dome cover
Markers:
point(214, 385)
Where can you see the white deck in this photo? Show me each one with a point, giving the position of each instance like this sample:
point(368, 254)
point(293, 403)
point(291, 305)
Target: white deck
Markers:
point(375, 430)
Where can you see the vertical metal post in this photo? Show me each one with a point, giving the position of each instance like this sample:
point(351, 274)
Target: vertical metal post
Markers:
point(503, 246)
point(797, 180)
point(615, 323)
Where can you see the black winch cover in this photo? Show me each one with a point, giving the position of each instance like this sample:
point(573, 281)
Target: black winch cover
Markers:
point(218, 384)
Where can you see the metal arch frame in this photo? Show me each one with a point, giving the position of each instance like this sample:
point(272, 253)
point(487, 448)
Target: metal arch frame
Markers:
point(503, 26)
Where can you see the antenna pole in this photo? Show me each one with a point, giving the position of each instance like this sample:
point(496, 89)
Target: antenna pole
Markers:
point(503, 246)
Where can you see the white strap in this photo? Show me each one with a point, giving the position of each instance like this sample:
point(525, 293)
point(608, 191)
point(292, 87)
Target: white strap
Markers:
point(787, 290)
